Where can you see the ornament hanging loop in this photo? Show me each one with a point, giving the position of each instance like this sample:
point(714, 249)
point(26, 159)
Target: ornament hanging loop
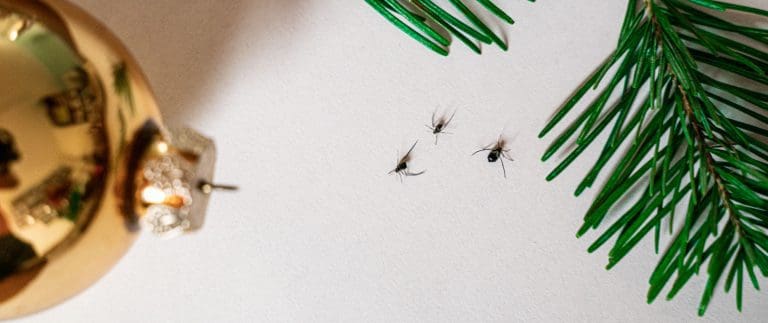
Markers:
point(208, 188)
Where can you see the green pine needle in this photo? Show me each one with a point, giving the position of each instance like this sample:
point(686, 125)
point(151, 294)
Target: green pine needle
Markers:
point(427, 22)
point(685, 93)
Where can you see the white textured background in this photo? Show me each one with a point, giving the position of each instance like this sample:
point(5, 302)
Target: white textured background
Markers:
point(310, 102)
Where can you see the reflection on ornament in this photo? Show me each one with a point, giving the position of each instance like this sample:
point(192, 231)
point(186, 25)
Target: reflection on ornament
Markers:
point(8, 155)
point(13, 24)
point(86, 162)
point(48, 200)
point(78, 103)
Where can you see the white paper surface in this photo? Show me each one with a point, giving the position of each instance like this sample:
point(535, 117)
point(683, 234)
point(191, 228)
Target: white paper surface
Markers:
point(310, 102)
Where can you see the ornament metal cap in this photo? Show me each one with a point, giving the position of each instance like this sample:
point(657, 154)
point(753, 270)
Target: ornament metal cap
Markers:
point(175, 183)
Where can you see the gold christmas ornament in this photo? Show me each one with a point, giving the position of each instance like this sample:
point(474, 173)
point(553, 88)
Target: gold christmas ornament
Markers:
point(85, 160)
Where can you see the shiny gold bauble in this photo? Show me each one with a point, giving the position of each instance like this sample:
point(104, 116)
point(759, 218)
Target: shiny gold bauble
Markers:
point(85, 160)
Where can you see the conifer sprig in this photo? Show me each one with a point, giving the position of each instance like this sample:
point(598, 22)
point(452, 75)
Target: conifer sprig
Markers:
point(685, 93)
point(431, 24)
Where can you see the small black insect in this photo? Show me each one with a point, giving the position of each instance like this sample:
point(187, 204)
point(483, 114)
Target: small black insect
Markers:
point(402, 165)
point(440, 124)
point(497, 152)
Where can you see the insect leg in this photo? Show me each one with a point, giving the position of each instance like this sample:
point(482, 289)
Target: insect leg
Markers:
point(407, 173)
point(503, 168)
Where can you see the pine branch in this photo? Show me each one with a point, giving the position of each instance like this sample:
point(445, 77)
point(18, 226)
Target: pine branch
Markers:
point(428, 23)
point(687, 88)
